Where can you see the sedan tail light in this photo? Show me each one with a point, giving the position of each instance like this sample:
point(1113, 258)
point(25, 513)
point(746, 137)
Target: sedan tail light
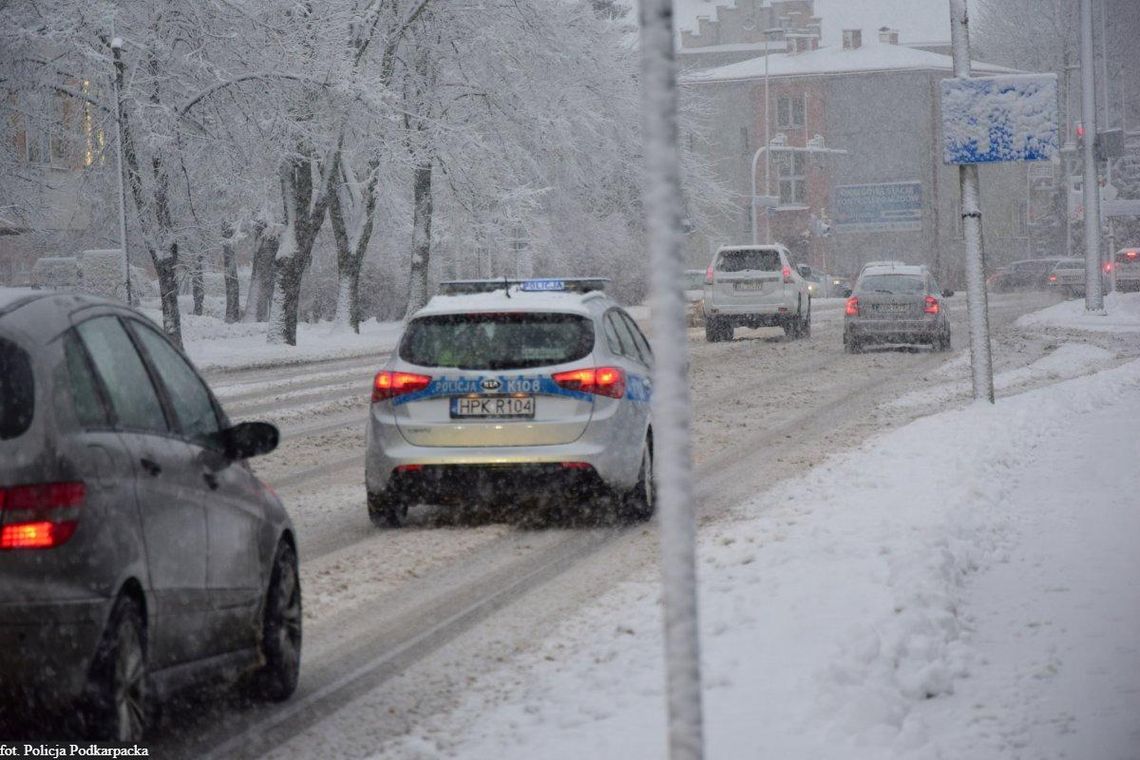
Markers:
point(391, 384)
point(1052, 278)
point(40, 516)
point(851, 309)
point(930, 305)
point(602, 381)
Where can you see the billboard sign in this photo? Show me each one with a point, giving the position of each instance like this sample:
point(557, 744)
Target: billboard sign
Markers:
point(996, 119)
point(886, 207)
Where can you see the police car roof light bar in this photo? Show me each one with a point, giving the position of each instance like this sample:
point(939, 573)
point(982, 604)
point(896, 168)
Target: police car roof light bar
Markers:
point(552, 285)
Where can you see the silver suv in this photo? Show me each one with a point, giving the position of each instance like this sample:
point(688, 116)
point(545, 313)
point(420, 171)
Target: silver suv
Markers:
point(138, 552)
point(503, 390)
point(755, 286)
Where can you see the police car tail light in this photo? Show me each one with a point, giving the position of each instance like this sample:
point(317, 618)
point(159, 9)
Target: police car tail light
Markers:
point(603, 381)
point(930, 305)
point(852, 307)
point(40, 516)
point(391, 384)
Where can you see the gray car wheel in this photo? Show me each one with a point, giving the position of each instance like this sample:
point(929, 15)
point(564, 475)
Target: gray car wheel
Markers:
point(281, 630)
point(118, 704)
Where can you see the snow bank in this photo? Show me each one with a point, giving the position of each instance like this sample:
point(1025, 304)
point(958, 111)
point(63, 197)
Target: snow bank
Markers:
point(1123, 315)
point(103, 273)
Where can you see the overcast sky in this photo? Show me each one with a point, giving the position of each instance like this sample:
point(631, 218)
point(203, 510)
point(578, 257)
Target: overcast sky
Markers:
point(916, 20)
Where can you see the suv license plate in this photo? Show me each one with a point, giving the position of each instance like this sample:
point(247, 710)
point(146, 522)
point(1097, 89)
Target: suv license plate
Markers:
point(749, 285)
point(492, 406)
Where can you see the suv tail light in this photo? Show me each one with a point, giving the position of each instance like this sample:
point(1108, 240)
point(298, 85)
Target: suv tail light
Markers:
point(930, 305)
point(787, 272)
point(602, 381)
point(1052, 278)
point(851, 308)
point(391, 384)
point(709, 275)
point(40, 516)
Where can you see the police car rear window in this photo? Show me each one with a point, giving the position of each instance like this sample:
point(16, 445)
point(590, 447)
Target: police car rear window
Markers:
point(497, 341)
point(744, 261)
point(17, 390)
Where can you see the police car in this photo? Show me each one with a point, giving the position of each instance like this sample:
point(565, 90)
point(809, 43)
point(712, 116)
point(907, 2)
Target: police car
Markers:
point(509, 390)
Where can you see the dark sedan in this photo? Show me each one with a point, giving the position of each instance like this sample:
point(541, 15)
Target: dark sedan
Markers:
point(138, 552)
point(896, 304)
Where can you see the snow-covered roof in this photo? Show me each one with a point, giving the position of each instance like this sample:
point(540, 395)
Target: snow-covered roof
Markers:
point(732, 47)
point(836, 61)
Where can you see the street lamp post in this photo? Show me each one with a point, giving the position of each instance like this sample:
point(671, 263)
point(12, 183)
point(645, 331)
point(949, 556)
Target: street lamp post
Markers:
point(767, 138)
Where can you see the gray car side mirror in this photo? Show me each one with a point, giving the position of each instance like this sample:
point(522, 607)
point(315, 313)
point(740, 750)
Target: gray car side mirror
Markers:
point(947, 293)
point(248, 439)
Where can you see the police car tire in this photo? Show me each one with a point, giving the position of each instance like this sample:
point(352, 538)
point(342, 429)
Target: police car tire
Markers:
point(386, 511)
point(641, 501)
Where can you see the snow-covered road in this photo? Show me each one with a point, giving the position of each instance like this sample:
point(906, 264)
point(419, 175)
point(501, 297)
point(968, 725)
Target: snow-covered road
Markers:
point(379, 603)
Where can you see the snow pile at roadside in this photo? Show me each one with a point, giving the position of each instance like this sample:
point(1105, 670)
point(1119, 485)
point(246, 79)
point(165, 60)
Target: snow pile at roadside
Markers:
point(1067, 361)
point(833, 608)
point(213, 344)
point(1123, 315)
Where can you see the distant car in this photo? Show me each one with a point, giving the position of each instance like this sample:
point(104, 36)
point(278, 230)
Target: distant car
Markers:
point(1026, 274)
point(505, 389)
point(694, 284)
point(138, 552)
point(1068, 277)
point(896, 304)
point(755, 286)
point(1126, 269)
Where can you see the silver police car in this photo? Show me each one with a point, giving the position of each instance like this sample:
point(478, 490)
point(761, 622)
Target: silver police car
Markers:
point(513, 390)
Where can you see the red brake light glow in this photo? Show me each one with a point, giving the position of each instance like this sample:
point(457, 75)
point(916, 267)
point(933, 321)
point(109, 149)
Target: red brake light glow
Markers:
point(787, 272)
point(930, 305)
point(709, 275)
point(1108, 266)
point(1052, 278)
point(1130, 254)
point(602, 381)
point(851, 309)
point(39, 516)
point(391, 384)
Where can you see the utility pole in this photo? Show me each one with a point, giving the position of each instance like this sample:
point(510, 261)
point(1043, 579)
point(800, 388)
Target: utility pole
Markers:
point(1094, 297)
point(117, 55)
point(976, 302)
point(671, 408)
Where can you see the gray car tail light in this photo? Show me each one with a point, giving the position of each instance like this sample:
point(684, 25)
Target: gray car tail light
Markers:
point(40, 516)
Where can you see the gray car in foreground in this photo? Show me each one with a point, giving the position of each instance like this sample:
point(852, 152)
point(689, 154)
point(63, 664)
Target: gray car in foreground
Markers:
point(138, 552)
point(896, 303)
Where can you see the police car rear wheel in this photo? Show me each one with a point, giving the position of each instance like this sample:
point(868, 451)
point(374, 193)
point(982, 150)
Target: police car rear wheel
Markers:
point(640, 502)
point(387, 511)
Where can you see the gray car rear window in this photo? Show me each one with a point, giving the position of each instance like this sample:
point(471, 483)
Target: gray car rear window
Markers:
point(497, 341)
point(17, 390)
point(896, 284)
point(746, 261)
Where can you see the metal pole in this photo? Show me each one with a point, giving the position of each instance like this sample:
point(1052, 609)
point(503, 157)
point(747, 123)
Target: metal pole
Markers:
point(767, 138)
point(671, 410)
point(1094, 297)
point(977, 302)
point(755, 224)
point(116, 54)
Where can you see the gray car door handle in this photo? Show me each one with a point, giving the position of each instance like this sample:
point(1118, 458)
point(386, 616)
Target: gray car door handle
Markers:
point(151, 467)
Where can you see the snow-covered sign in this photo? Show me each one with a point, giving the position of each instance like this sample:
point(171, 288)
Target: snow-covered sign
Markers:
point(885, 207)
point(1001, 118)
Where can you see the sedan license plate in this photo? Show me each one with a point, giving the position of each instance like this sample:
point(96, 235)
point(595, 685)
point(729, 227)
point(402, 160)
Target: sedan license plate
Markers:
point(492, 406)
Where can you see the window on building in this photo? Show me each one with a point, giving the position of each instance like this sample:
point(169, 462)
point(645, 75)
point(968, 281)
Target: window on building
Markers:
point(791, 168)
point(790, 110)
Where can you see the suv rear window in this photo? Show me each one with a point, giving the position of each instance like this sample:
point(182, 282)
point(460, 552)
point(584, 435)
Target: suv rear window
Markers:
point(742, 261)
point(497, 341)
point(897, 284)
point(17, 390)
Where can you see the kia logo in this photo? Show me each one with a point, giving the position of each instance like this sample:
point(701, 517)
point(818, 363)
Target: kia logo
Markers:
point(491, 384)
